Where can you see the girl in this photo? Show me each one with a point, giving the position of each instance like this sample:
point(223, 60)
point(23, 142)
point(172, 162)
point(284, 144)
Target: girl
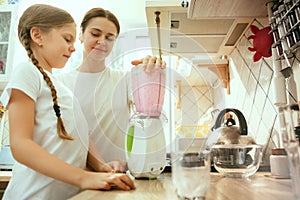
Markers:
point(103, 93)
point(48, 133)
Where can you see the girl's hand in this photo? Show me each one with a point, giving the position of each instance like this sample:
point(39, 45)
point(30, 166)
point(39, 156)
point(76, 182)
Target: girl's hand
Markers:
point(105, 181)
point(149, 63)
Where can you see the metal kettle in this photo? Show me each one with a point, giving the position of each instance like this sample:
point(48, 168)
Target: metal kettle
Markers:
point(225, 131)
point(243, 129)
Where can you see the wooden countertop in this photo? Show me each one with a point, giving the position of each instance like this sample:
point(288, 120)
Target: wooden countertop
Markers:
point(5, 176)
point(258, 186)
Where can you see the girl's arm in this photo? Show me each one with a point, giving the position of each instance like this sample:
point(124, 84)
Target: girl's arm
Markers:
point(27, 152)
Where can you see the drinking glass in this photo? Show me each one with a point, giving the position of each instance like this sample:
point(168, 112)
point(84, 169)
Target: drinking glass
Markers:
point(290, 129)
point(191, 170)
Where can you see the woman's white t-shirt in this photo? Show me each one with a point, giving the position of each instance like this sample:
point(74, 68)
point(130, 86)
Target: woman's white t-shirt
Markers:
point(25, 182)
point(105, 99)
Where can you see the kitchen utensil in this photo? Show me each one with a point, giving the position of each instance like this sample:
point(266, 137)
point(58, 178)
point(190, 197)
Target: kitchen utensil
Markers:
point(289, 129)
point(145, 147)
point(234, 153)
point(229, 132)
point(145, 141)
point(243, 129)
point(236, 161)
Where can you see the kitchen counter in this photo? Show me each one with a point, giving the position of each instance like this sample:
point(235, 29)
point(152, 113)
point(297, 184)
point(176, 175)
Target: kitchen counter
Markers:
point(4, 179)
point(5, 176)
point(258, 186)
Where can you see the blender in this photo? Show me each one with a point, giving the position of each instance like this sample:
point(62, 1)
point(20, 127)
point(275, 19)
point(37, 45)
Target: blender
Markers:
point(145, 140)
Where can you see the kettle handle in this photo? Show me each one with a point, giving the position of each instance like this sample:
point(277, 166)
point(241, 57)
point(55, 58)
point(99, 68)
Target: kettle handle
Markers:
point(241, 118)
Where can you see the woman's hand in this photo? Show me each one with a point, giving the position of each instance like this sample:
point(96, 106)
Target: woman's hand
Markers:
point(149, 63)
point(118, 166)
point(105, 181)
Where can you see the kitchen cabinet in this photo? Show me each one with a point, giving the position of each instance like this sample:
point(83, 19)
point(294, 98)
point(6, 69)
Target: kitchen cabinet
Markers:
point(8, 34)
point(227, 9)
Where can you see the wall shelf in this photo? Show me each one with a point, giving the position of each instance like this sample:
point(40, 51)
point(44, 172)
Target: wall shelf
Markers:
point(222, 71)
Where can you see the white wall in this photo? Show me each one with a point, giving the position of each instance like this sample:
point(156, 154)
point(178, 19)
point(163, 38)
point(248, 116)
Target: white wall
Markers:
point(253, 93)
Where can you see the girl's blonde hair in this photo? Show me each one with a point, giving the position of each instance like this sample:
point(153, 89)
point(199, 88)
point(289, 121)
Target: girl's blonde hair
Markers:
point(44, 17)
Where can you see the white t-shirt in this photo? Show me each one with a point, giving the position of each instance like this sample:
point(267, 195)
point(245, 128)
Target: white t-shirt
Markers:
point(104, 98)
point(25, 182)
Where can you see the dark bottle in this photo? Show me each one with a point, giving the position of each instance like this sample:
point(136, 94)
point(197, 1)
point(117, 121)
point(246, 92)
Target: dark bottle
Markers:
point(281, 31)
point(276, 36)
point(292, 17)
point(286, 26)
point(297, 8)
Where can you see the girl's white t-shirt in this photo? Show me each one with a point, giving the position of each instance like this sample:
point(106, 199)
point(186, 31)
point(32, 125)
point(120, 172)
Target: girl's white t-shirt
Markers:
point(25, 182)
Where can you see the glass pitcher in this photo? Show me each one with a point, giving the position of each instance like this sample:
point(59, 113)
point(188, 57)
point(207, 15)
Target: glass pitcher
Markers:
point(290, 129)
point(148, 90)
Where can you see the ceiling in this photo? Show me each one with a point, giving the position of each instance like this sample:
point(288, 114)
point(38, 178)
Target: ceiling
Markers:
point(206, 31)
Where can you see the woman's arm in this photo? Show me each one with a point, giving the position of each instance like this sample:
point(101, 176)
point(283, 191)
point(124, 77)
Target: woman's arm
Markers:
point(27, 152)
point(96, 162)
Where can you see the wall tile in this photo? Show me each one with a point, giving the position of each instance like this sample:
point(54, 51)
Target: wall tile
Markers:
point(254, 121)
point(243, 45)
point(251, 87)
point(248, 33)
point(237, 59)
point(260, 99)
point(262, 134)
point(248, 55)
point(240, 97)
point(247, 106)
point(269, 61)
point(255, 68)
point(266, 76)
point(269, 114)
point(195, 102)
point(245, 73)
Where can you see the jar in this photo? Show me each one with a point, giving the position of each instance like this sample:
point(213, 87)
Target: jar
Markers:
point(279, 163)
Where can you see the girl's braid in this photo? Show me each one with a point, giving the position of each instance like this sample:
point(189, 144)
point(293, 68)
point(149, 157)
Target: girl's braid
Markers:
point(60, 126)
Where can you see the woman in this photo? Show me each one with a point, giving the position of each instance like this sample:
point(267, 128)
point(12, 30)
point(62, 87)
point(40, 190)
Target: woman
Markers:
point(104, 94)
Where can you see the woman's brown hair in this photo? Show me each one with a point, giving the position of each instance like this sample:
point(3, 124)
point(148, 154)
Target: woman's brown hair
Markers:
point(99, 12)
point(44, 17)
